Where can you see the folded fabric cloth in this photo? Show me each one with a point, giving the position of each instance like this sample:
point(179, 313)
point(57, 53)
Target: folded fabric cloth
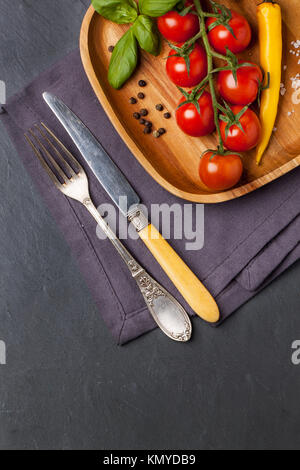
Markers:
point(248, 241)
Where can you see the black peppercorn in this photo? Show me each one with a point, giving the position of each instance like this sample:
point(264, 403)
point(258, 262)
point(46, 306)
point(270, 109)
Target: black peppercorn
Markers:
point(136, 115)
point(111, 48)
point(147, 130)
point(159, 107)
point(156, 134)
point(144, 112)
point(132, 100)
point(142, 83)
point(167, 115)
point(142, 121)
point(141, 96)
point(148, 124)
point(162, 131)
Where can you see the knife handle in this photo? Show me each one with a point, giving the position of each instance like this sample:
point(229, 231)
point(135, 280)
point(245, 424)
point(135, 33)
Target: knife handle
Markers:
point(191, 289)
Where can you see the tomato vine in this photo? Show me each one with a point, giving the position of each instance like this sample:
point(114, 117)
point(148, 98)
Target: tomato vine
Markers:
point(222, 15)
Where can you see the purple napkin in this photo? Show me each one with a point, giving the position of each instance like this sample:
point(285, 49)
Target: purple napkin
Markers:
point(248, 242)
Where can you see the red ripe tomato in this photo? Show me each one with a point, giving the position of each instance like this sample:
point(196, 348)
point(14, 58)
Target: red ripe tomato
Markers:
point(220, 172)
point(177, 28)
point(177, 68)
point(220, 37)
point(245, 90)
point(193, 123)
point(190, 3)
point(238, 140)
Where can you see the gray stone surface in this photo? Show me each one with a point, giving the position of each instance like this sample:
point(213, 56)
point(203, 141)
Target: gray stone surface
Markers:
point(66, 385)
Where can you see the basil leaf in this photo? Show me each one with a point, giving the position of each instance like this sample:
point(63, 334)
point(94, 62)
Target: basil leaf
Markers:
point(156, 8)
point(145, 31)
point(118, 11)
point(123, 60)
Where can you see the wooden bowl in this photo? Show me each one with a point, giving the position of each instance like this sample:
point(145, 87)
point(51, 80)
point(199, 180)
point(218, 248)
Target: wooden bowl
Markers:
point(173, 159)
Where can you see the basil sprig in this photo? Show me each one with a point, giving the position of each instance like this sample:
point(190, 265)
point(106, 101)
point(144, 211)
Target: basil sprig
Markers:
point(156, 8)
point(123, 60)
point(143, 32)
point(118, 11)
point(147, 35)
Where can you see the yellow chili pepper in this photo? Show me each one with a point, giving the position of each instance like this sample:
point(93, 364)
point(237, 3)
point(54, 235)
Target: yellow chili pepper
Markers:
point(270, 43)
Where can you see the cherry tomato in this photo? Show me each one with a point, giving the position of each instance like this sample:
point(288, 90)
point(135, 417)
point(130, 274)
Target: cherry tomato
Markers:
point(190, 3)
point(220, 172)
point(177, 28)
point(193, 123)
point(220, 37)
point(177, 68)
point(245, 90)
point(240, 141)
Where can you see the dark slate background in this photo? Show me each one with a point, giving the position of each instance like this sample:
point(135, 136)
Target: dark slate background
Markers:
point(66, 384)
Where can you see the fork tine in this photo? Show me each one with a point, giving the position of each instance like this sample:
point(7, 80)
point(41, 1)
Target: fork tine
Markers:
point(72, 158)
point(62, 160)
point(56, 166)
point(43, 163)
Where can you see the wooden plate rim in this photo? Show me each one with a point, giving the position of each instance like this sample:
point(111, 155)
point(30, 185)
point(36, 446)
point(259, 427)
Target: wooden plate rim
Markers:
point(200, 198)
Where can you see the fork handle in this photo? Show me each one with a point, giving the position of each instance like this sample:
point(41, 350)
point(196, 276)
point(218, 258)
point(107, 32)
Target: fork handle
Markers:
point(168, 314)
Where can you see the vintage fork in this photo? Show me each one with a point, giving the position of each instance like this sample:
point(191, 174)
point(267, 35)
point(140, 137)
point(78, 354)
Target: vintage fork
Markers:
point(70, 178)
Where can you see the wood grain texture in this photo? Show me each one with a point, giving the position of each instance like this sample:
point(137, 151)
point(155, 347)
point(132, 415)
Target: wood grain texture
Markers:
point(173, 159)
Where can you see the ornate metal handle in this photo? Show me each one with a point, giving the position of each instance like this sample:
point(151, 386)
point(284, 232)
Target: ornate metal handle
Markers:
point(169, 315)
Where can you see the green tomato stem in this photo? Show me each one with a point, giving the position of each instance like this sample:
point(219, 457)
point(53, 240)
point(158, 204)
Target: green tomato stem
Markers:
point(210, 55)
point(210, 15)
point(218, 56)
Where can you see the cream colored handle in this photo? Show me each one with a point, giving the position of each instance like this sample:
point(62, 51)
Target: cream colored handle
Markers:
point(191, 289)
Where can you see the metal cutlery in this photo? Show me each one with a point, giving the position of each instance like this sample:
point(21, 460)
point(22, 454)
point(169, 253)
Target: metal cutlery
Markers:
point(118, 188)
point(70, 178)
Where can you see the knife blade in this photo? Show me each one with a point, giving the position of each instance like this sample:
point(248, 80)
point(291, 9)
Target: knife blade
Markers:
point(105, 170)
point(118, 188)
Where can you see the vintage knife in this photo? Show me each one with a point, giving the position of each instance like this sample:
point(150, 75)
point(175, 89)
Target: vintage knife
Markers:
point(119, 189)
